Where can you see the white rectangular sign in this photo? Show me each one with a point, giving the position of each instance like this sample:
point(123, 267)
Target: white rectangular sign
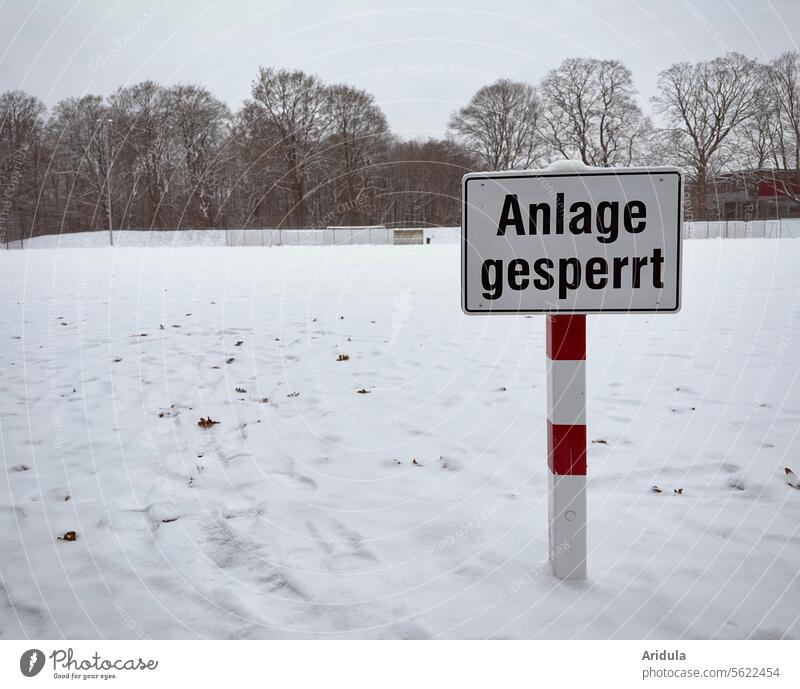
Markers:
point(580, 240)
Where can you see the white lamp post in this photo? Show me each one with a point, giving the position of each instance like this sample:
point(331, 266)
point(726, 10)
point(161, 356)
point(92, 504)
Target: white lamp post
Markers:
point(106, 124)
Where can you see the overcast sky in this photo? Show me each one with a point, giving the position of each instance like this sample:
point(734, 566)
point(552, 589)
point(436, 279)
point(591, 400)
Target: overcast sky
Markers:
point(420, 63)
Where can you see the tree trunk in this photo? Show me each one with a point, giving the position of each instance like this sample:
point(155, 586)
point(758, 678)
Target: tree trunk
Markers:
point(298, 190)
point(353, 215)
point(701, 190)
point(298, 199)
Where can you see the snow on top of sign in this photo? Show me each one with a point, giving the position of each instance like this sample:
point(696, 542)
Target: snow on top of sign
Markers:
point(567, 166)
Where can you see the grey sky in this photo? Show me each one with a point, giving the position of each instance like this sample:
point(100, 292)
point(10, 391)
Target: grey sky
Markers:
point(420, 63)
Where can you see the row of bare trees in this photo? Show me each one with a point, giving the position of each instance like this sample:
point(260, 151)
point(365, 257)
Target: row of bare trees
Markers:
point(726, 114)
point(584, 109)
point(300, 153)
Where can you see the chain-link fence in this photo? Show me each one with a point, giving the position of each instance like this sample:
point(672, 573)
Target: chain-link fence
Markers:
point(12, 239)
point(315, 237)
point(16, 239)
point(741, 229)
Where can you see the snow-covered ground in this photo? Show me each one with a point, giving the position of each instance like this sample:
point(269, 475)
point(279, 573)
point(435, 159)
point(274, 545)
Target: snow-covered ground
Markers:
point(416, 509)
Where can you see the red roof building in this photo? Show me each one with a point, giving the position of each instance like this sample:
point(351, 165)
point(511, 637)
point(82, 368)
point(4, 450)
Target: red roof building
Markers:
point(761, 194)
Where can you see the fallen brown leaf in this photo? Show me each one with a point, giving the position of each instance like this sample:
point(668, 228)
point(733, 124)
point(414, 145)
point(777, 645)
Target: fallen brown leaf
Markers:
point(343, 357)
point(69, 536)
point(208, 422)
point(238, 343)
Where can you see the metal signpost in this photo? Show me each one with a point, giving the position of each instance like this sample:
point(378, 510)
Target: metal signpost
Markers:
point(567, 241)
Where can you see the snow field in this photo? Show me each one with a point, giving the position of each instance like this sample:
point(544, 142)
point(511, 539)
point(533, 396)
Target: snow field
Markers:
point(414, 509)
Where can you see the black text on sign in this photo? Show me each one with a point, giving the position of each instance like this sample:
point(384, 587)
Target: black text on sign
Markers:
point(581, 242)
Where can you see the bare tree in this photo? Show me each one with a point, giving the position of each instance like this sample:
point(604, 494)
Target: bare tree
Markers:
point(256, 193)
point(757, 140)
point(295, 104)
point(201, 122)
point(300, 154)
point(141, 119)
point(591, 113)
point(80, 160)
point(784, 81)
point(422, 182)
point(703, 104)
point(501, 124)
point(21, 125)
point(358, 136)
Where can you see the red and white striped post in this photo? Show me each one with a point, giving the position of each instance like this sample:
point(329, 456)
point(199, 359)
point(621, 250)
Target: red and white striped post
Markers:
point(566, 444)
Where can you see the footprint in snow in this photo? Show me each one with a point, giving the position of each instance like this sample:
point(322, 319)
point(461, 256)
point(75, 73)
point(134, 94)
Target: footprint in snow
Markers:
point(736, 484)
point(293, 482)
